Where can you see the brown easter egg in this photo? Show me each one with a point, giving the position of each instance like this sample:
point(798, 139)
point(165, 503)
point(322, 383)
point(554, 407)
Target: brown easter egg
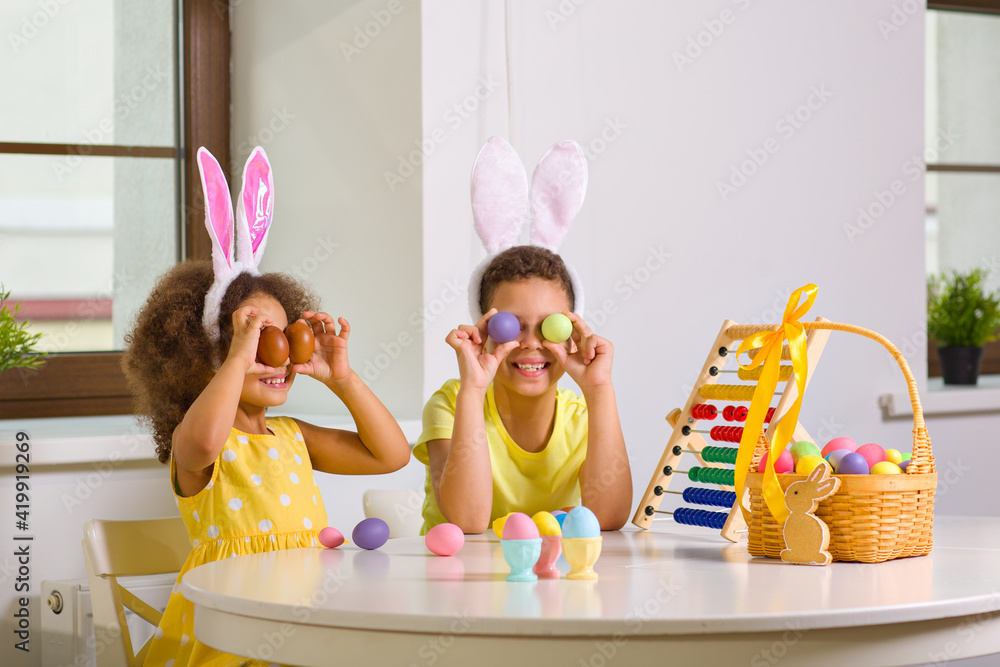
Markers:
point(301, 342)
point(272, 347)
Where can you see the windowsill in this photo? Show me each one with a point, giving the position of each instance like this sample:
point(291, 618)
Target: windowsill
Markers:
point(119, 438)
point(939, 399)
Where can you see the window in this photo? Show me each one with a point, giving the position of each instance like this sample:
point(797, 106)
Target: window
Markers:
point(963, 146)
point(103, 174)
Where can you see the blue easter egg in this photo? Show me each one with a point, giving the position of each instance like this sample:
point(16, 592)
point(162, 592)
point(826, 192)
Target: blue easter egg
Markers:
point(580, 522)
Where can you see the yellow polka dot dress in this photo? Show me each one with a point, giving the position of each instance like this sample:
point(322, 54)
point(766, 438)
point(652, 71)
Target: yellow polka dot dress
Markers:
point(262, 497)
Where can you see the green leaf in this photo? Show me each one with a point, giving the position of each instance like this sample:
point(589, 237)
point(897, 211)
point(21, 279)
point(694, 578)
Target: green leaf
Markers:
point(17, 345)
point(960, 313)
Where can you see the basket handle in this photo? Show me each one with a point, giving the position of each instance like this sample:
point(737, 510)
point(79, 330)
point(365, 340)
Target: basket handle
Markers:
point(923, 458)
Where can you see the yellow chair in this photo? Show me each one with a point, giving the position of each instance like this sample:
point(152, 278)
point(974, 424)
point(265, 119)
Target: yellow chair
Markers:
point(113, 549)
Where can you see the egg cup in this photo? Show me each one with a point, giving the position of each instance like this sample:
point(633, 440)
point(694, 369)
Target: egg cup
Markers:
point(581, 554)
point(521, 556)
point(545, 568)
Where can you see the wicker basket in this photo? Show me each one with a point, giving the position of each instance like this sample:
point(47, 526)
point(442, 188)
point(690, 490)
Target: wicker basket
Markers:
point(872, 518)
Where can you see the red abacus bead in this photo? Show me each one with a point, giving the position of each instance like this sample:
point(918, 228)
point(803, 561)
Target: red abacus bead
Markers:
point(703, 411)
point(716, 433)
point(740, 414)
point(770, 413)
point(727, 413)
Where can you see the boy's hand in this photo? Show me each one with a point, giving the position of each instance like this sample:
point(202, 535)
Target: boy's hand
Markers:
point(477, 366)
point(247, 325)
point(589, 364)
point(329, 361)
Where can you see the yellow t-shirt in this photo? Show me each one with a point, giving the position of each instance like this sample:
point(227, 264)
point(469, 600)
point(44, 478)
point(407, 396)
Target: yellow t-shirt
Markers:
point(523, 481)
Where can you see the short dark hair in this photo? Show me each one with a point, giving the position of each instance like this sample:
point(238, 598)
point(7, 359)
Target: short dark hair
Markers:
point(520, 263)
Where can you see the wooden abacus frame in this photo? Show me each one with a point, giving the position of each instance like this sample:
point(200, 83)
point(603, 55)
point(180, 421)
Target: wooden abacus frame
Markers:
point(722, 349)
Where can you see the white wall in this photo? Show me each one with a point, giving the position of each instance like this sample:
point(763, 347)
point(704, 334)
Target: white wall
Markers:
point(661, 136)
point(334, 107)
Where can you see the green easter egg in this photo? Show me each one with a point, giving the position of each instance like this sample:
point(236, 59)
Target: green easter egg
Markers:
point(557, 328)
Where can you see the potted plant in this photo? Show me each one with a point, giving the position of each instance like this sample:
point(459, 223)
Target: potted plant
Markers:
point(17, 346)
point(961, 316)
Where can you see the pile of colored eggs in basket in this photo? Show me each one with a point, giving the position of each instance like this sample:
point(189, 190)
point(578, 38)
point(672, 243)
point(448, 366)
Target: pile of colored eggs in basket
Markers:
point(843, 455)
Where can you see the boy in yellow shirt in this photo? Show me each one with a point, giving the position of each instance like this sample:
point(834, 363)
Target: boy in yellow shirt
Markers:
point(505, 437)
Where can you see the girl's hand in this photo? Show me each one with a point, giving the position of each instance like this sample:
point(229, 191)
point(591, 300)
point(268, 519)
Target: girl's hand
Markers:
point(477, 366)
point(329, 361)
point(589, 362)
point(247, 324)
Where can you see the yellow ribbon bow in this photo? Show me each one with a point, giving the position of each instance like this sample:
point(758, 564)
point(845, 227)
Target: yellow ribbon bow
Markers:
point(769, 344)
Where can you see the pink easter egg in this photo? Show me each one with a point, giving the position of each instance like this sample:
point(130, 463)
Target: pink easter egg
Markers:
point(331, 537)
point(873, 453)
point(784, 464)
point(519, 526)
point(842, 442)
point(445, 539)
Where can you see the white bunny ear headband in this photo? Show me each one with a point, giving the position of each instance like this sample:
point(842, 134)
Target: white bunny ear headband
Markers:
point(500, 199)
point(248, 236)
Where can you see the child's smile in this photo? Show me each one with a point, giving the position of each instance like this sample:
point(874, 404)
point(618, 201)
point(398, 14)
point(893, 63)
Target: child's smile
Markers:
point(530, 369)
point(278, 381)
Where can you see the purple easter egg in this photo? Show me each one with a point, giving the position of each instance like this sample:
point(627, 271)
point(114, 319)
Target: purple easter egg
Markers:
point(370, 533)
point(853, 464)
point(503, 327)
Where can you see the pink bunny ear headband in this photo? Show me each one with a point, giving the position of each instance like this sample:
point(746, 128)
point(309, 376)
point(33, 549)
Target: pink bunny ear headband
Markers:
point(249, 236)
point(500, 199)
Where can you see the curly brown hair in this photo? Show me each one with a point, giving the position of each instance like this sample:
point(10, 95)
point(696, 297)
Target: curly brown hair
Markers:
point(520, 263)
point(169, 358)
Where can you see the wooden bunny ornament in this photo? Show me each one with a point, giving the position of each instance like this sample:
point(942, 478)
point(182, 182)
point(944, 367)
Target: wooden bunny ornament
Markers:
point(807, 537)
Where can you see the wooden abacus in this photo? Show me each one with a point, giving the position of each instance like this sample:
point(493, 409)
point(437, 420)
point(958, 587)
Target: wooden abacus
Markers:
point(716, 462)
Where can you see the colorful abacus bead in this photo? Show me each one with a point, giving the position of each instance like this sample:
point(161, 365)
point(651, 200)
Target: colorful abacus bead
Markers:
point(704, 411)
point(712, 497)
point(722, 476)
point(719, 454)
point(693, 517)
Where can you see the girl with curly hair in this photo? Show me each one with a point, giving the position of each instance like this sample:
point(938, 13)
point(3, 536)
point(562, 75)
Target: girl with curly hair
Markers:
point(243, 480)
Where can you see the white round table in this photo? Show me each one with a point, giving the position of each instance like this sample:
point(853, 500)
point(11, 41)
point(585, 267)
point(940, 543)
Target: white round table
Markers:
point(685, 596)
